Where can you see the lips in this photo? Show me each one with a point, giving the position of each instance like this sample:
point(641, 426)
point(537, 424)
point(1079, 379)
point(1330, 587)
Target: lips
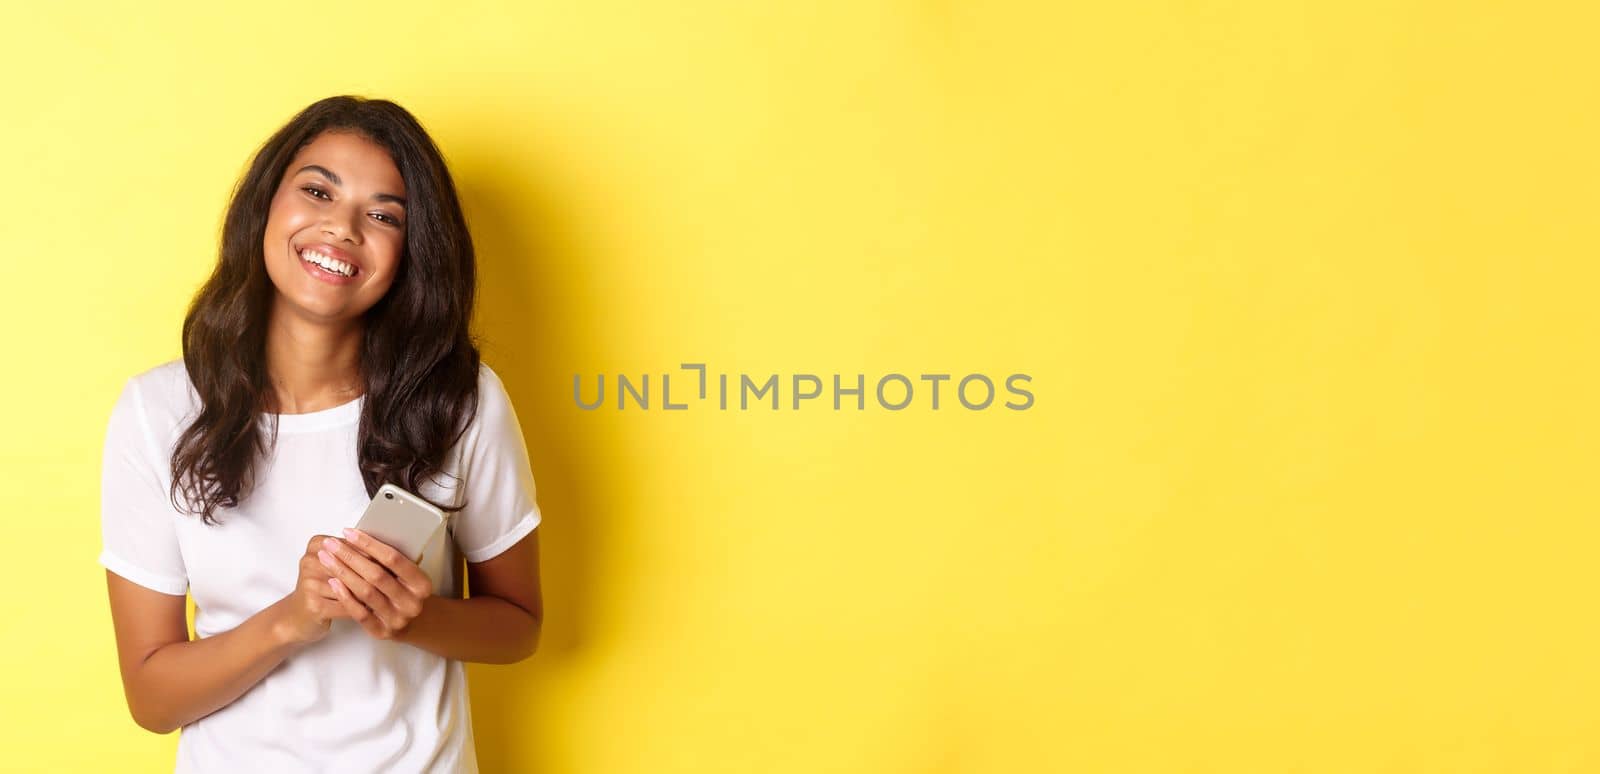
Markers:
point(328, 259)
point(326, 249)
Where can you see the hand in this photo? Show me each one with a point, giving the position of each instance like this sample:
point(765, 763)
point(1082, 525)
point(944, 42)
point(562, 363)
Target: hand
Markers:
point(313, 605)
point(377, 586)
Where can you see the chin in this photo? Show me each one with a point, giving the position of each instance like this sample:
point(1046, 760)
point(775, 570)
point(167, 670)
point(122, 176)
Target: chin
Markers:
point(306, 307)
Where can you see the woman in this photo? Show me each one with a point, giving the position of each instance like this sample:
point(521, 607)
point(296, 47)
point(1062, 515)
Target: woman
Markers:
point(327, 354)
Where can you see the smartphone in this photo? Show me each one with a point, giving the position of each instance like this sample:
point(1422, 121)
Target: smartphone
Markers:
point(401, 519)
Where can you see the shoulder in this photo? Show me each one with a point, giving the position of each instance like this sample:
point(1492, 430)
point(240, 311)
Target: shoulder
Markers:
point(495, 417)
point(493, 400)
point(157, 400)
point(487, 376)
point(164, 382)
point(490, 384)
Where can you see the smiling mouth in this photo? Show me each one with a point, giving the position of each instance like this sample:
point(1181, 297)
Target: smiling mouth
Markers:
point(315, 257)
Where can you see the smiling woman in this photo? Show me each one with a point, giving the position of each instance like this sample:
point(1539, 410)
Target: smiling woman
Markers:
point(304, 387)
point(315, 195)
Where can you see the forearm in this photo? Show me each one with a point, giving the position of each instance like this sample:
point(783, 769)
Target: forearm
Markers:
point(182, 682)
point(485, 629)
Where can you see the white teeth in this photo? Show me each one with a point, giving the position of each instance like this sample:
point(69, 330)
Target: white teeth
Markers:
point(331, 264)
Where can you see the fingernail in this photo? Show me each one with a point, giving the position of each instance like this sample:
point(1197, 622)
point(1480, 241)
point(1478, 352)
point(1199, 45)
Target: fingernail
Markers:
point(350, 534)
point(330, 544)
point(325, 557)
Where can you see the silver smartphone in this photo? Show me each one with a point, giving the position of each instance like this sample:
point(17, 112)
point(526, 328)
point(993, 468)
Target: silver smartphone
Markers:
point(401, 519)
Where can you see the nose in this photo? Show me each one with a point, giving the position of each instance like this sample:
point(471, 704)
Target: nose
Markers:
point(342, 223)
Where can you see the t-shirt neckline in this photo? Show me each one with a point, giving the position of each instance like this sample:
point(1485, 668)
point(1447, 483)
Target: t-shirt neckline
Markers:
point(335, 416)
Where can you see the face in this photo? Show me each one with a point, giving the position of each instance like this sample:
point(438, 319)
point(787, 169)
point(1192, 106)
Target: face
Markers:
point(336, 229)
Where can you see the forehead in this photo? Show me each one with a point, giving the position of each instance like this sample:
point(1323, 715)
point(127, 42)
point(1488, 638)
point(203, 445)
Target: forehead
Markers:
point(360, 163)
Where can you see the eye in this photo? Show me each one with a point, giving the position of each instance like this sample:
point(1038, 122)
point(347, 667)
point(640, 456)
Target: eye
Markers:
point(316, 192)
point(387, 218)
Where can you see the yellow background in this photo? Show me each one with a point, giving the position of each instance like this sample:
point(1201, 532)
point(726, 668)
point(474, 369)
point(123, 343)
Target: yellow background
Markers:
point(1306, 291)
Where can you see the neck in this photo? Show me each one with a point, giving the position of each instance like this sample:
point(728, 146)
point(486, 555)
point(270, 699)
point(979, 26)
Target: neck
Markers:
point(312, 365)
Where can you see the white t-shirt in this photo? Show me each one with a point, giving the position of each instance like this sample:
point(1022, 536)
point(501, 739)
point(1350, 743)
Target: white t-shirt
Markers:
point(349, 702)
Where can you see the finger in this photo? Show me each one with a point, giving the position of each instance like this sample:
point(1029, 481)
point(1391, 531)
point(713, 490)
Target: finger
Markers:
point(358, 612)
point(353, 582)
point(372, 572)
point(365, 592)
point(327, 603)
point(397, 563)
point(314, 575)
point(317, 586)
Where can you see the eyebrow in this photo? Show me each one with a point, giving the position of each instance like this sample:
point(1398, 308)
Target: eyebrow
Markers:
point(333, 178)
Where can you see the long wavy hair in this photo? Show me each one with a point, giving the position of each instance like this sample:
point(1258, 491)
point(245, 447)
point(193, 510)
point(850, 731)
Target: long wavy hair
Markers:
point(419, 363)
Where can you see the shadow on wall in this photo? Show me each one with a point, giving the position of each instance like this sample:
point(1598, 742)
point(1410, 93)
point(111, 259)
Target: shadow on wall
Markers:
point(528, 264)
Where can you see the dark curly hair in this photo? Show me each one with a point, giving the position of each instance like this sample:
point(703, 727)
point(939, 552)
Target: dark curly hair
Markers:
point(419, 362)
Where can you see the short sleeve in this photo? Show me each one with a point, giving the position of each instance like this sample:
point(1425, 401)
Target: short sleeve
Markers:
point(138, 536)
point(501, 505)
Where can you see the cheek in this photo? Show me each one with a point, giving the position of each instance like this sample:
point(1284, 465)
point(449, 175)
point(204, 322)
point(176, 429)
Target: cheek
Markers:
point(285, 217)
point(386, 254)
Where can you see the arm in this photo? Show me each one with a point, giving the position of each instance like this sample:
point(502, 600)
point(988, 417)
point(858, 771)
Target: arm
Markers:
point(393, 599)
point(171, 681)
point(499, 624)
